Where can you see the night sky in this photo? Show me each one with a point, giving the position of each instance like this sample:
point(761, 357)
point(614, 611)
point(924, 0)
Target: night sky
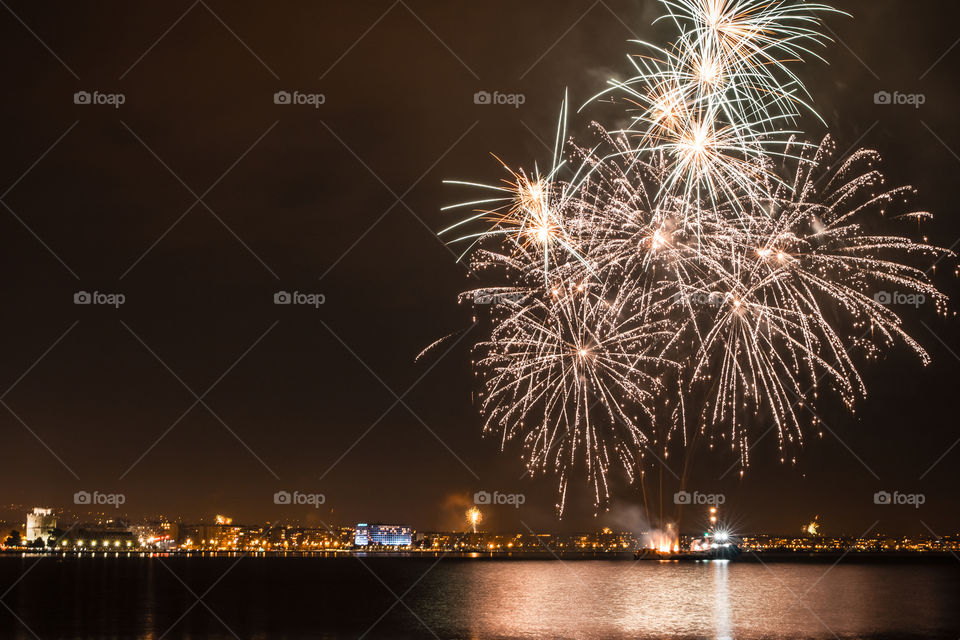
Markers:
point(199, 198)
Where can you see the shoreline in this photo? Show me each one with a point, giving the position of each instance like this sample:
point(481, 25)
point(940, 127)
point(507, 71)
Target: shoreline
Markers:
point(846, 557)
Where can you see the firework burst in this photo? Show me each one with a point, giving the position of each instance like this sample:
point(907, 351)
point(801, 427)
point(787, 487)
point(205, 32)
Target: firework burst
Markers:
point(700, 273)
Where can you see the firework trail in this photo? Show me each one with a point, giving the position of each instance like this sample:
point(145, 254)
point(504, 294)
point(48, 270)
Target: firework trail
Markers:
point(699, 272)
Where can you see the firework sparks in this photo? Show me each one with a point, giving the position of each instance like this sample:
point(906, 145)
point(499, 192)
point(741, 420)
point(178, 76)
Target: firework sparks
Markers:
point(474, 517)
point(700, 256)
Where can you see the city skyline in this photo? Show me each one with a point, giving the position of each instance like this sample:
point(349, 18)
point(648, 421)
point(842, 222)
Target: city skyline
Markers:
point(201, 390)
point(49, 531)
point(599, 319)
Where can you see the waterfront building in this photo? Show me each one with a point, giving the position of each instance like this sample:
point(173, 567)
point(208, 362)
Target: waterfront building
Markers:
point(40, 524)
point(383, 535)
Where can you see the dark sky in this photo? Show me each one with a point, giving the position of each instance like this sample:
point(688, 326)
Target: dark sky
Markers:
point(344, 200)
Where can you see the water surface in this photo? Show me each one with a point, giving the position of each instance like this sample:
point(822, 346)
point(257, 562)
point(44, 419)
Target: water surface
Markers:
point(277, 598)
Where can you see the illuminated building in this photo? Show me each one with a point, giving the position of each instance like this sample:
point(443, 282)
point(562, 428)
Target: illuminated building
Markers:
point(158, 534)
point(109, 536)
point(383, 535)
point(40, 524)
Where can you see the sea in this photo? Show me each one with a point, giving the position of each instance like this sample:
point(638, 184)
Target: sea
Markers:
point(442, 597)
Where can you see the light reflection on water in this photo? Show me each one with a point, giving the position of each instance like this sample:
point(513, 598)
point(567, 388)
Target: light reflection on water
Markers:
point(721, 600)
point(460, 598)
point(704, 600)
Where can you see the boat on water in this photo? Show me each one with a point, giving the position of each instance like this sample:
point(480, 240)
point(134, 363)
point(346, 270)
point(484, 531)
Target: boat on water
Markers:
point(716, 543)
point(725, 551)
